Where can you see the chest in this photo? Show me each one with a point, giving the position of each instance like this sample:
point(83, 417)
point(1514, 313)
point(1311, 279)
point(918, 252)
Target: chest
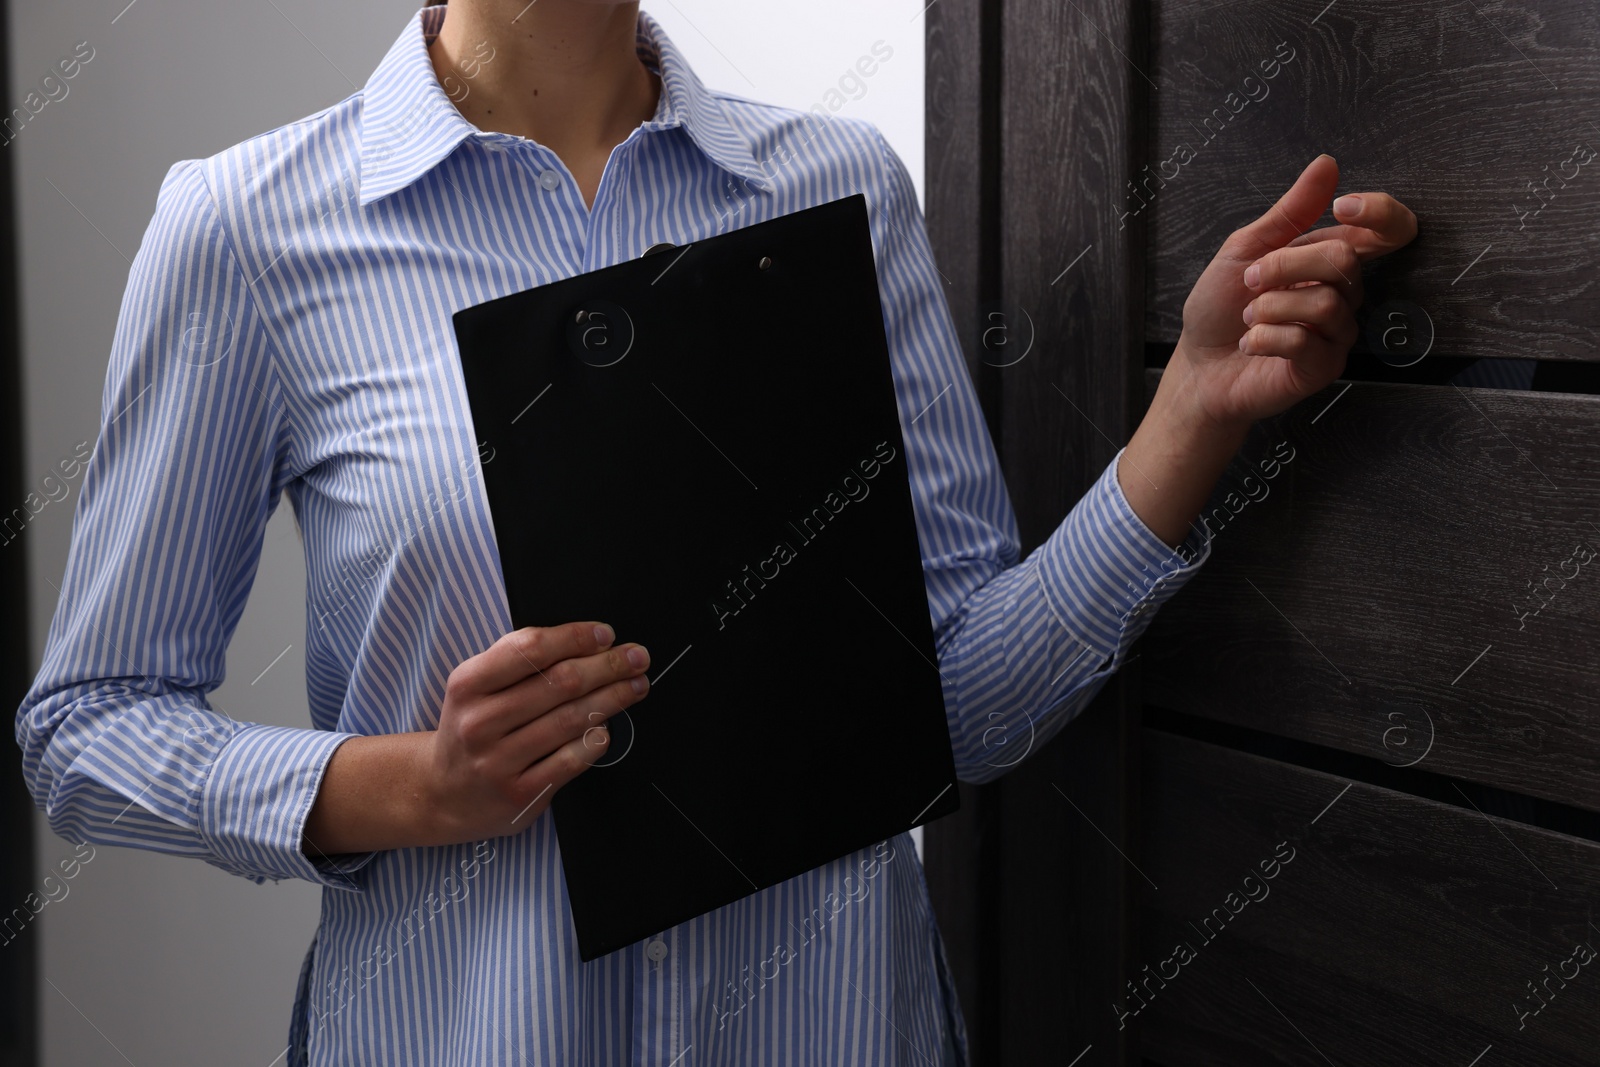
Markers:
point(386, 460)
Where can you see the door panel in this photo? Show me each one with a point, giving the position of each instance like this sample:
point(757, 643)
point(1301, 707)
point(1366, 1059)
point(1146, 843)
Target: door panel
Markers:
point(1370, 612)
point(1402, 931)
point(1470, 113)
point(1375, 592)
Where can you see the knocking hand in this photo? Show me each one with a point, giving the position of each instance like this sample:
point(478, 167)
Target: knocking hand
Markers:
point(1272, 318)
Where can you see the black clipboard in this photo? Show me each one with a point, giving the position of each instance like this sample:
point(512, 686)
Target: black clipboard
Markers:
point(702, 448)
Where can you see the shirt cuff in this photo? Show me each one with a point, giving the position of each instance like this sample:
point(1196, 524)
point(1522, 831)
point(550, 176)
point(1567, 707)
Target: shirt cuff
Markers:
point(1105, 573)
point(255, 802)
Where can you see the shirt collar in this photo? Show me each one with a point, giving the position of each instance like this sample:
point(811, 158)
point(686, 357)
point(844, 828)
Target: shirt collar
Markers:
point(409, 124)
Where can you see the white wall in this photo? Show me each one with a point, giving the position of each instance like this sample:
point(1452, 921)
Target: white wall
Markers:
point(149, 959)
point(796, 54)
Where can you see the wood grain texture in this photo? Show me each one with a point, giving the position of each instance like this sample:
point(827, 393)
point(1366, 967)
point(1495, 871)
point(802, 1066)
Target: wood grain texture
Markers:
point(1377, 575)
point(1402, 931)
point(961, 172)
point(960, 853)
point(1065, 903)
point(960, 858)
point(1454, 108)
point(1072, 101)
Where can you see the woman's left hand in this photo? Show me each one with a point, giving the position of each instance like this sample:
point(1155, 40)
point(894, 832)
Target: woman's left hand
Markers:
point(1273, 317)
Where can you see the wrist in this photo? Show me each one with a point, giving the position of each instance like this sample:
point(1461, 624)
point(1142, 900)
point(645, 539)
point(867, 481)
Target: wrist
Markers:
point(378, 792)
point(1180, 403)
point(427, 806)
point(1177, 453)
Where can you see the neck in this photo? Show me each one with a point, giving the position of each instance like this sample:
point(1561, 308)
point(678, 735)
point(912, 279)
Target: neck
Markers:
point(562, 72)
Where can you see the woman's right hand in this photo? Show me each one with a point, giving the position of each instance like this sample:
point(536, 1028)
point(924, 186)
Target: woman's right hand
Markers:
point(523, 719)
point(519, 721)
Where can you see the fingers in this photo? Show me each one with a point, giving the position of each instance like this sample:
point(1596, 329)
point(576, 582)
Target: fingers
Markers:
point(1374, 224)
point(1294, 213)
point(583, 719)
point(1321, 308)
point(1330, 262)
point(565, 682)
point(528, 651)
point(1289, 341)
point(1377, 223)
point(540, 782)
point(1389, 222)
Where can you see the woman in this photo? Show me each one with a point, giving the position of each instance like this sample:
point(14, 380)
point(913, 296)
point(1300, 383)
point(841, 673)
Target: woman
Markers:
point(287, 332)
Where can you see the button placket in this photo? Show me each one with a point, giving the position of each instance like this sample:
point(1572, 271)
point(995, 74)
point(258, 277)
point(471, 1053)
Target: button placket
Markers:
point(673, 995)
point(656, 990)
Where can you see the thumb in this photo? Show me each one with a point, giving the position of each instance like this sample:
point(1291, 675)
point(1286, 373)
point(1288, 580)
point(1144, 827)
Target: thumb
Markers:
point(1296, 211)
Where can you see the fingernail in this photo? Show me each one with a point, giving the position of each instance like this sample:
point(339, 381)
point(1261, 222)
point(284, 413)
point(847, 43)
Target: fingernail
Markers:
point(1252, 275)
point(638, 657)
point(1348, 206)
point(639, 685)
point(1250, 313)
point(604, 635)
point(1244, 345)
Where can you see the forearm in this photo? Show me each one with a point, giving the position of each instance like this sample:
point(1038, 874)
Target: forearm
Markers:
point(1175, 457)
point(372, 798)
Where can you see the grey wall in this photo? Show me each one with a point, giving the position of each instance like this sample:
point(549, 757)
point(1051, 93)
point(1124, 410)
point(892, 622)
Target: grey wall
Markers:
point(148, 958)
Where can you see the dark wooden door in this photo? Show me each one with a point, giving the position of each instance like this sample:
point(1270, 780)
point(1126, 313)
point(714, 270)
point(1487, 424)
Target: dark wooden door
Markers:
point(1343, 805)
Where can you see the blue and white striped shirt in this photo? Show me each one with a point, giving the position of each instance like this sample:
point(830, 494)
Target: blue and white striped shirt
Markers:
point(287, 330)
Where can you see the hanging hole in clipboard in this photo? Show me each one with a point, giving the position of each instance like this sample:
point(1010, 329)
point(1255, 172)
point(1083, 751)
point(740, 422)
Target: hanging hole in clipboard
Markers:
point(600, 333)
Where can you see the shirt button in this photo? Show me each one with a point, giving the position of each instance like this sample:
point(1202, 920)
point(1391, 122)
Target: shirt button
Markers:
point(656, 950)
point(551, 181)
